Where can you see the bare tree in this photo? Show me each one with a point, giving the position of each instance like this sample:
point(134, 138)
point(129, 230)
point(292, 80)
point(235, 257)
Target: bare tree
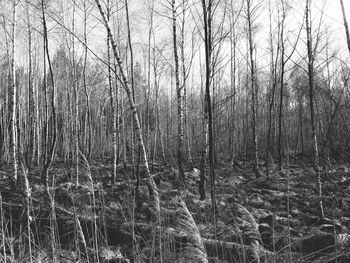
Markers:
point(113, 103)
point(88, 134)
point(207, 21)
point(13, 106)
point(310, 65)
point(249, 14)
point(76, 101)
point(179, 92)
point(273, 84)
point(49, 153)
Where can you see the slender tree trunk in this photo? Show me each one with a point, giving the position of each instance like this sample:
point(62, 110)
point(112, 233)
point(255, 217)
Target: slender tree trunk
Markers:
point(51, 153)
point(76, 104)
point(148, 92)
point(31, 107)
point(88, 114)
point(184, 85)
point(202, 181)
point(346, 27)
point(112, 100)
point(14, 96)
point(233, 43)
point(273, 90)
point(156, 87)
point(52, 143)
point(180, 131)
point(311, 60)
point(301, 126)
point(207, 17)
point(280, 118)
point(253, 87)
point(133, 138)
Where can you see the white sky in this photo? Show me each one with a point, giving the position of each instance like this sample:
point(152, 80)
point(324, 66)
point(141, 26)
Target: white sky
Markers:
point(138, 12)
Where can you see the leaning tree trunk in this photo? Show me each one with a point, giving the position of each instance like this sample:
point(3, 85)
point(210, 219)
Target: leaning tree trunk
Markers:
point(345, 25)
point(152, 188)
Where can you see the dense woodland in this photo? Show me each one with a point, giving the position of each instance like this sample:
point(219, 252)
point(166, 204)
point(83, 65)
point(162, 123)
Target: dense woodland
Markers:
point(174, 131)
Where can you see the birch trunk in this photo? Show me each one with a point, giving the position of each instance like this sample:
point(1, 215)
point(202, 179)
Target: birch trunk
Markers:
point(152, 188)
point(311, 60)
point(180, 124)
point(14, 97)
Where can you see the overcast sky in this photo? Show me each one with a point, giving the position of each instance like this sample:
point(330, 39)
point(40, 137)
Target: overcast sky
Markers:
point(138, 18)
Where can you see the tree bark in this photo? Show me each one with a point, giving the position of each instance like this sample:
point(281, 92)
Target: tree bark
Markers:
point(13, 106)
point(281, 117)
point(88, 114)
point(311, 60)
point(207, 17)
point(113, 106)
point(253, 86)
point(133, 138)
point(180, 119)
point(76, 104)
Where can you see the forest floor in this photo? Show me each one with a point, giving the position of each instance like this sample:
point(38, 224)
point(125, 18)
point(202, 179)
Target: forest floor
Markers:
point(268, 219)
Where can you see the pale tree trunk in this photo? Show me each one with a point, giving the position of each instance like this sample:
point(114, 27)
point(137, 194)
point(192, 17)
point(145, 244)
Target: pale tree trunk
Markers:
point(131, 78)
point(273, 85)
point(233, 79)
point(37, 127)
point(280, 118)
point(184, 84)
point(87, 95)
point(113, 106)
point(68, 120)
point(132, 87)
point(148, 93)
point(232, 120)
point(29, 149)
point(180, 124)
point(152, 188)
point(253, 86)
point(8, 97)
point(346, 27)
point(76, 105)
point(31, 106)
point(14, 96)
point(202, 181)
point(117, 124)
point(311, 60)
point(158, 124)
point(157, 130)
